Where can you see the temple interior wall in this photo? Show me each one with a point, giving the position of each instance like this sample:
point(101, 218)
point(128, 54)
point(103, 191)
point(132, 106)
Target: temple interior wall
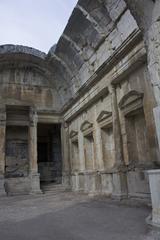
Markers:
point(102, 87)
point(92, 141)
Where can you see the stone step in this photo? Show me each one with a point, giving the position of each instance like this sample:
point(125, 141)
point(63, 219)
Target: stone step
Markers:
point(52, 188)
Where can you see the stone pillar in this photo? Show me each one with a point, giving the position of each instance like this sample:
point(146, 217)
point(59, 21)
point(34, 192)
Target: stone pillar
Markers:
point(116, 129)
point(32, 144)
point(66, 168)
point(2, 149)
point(119, 176)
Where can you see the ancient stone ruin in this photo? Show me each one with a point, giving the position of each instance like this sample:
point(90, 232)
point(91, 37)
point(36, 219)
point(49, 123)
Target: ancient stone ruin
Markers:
point(87, 114)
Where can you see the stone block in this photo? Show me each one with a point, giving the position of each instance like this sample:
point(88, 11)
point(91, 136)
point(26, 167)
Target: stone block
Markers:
point(106, 184)
point(90, 182)
point(81, 181)
point(119, 185)
point(75, 181)
point(115, 8)
point(154, 182)
point(138, 185)
point(17, 186)
point(35, 184)
point(2, 186)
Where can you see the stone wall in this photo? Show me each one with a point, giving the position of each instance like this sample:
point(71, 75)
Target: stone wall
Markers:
point(103, 159)
point(101, 81)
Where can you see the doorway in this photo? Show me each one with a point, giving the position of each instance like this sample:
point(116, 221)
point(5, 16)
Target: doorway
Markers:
point(49, 153)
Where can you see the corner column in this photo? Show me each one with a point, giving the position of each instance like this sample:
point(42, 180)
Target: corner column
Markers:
point(32, 143)
point(2, 149)
point(119, 176)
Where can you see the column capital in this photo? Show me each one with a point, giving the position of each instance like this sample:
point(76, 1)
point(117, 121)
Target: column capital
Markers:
point(111, 88)
point(2, 116)
point(65, 124)
point(33, 117)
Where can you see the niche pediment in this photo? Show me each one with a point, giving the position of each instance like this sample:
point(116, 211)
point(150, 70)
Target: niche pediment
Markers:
point(104, 115)
point(130, 98)
point(86, 126)
point(73, 134)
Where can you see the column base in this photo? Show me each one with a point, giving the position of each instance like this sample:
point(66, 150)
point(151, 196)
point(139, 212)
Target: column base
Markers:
point(66, 180)
point(152, 224)
point(35, 183)
point(2, 187)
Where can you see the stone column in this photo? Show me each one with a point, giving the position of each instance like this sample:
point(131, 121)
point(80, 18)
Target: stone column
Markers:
point(32, 145)
point(66, 168)
point(2, 149)
point(119, 176)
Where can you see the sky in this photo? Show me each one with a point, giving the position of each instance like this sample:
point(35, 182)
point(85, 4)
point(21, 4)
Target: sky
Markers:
point(34, 23)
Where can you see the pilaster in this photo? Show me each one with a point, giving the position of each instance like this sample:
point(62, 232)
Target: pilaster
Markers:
point(32, 142)
point(119, 177)
point(66, 169)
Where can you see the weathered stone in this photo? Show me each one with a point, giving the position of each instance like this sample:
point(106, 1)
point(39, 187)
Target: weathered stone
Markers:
point(101, 83)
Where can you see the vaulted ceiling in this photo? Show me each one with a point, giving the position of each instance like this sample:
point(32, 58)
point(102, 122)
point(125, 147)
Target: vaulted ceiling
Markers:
point(95, 30)
point(93, 23)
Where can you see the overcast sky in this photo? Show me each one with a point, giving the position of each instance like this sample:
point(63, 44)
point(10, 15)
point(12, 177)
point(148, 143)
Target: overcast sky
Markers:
point(34, 23)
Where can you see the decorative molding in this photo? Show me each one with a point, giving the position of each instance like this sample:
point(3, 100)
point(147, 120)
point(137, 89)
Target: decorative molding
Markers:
point(73, 134)
point(33, 117)
point(86, 126)
point(2, 116)
point(134, 38)
point(103, 116)
point(129, 98)
point(131, 101)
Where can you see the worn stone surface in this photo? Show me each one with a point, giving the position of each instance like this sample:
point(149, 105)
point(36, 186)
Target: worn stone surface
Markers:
point(100, 84)
point(69, 216)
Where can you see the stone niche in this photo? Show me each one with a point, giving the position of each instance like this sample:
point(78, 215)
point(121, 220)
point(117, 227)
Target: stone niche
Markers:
point(138, 148)
point(107, 139)
point(87, 129)
point(108, 151)
point(74, 150)
point(90, 175)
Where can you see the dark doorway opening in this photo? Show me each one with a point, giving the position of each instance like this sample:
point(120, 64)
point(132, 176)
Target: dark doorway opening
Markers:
point(49, 153)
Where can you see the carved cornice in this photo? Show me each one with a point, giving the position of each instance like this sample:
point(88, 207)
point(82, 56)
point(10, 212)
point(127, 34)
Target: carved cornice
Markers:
point(73, 134)
point(131, 101)
point(103, 116)
point(129, 98)
point(33, 117)
point(86, 126)
point(2, 116)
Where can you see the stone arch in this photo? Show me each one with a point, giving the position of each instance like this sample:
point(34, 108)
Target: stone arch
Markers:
point(94, 32)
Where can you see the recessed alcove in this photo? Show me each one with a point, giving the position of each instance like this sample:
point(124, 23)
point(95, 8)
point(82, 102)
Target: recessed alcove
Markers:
point(89, 151)
point(108, 146)
point(75, 155)
point(138, 146)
